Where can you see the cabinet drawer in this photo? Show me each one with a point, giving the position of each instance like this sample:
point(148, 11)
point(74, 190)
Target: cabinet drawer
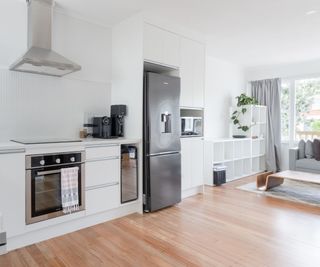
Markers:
point(102, 152)
point(102, 172)
point(102, 199)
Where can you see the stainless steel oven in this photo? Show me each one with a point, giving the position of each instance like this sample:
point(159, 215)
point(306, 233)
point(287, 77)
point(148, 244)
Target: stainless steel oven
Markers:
point(43, 184)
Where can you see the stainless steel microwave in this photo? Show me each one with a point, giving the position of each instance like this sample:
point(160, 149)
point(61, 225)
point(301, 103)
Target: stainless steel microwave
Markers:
point(191, 126)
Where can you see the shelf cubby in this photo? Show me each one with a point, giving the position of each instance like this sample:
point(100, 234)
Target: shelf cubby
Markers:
point(238, 149)
point(247, 167)
point(229, 170)
point(238, 168)
point(218, 152)
point(228, 150)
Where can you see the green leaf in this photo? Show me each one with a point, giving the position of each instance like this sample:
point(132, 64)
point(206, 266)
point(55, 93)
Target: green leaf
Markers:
point(233, 117)
point(244, 110)
point(235, 112)
point(245, 128)
point(236, 121)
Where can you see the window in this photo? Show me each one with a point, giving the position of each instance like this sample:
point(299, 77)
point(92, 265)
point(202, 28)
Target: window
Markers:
point(285, 110)
point(300, 109)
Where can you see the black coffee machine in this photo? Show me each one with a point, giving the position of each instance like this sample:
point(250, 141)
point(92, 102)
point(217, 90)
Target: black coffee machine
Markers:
point(118, 112)
point(102, 127)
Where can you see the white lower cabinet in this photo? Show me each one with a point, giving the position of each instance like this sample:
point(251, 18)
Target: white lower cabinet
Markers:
point(12, 192)
point(102, 172)
point(192, 152)
point(102, 179)
point(102, 199)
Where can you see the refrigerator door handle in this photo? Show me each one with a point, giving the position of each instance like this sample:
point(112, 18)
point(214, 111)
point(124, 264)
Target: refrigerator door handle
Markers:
point(164, 153)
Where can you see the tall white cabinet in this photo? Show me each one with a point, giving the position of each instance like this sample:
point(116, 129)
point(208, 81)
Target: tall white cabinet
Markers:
point(161, 46)
point(185, 55)
point(192, 73)
point(186, 58)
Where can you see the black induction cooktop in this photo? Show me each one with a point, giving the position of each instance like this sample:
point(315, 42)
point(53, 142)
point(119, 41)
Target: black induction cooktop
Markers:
point(37, 141)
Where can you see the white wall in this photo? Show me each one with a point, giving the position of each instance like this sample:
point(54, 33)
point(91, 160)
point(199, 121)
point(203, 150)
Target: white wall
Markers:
point(300, 69)
point(127, 72)
point(224, 81)
point(35, 105)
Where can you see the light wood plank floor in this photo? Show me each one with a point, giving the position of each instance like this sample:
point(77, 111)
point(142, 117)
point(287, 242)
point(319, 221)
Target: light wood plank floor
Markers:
point(223, 227)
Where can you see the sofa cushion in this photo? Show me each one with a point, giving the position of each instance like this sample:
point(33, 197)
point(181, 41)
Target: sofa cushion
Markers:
point(311, 164)
point(302, 149)
point(316, 149)
point(309, 150)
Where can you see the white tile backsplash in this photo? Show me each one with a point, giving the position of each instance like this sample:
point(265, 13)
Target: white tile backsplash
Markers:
point(42, 106)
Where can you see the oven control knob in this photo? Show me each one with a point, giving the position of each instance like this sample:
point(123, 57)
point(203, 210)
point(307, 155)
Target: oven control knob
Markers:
point(72, 159)
point(58, 161)
point(42, 162)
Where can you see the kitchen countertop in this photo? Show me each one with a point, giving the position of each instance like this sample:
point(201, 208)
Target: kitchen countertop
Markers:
point(12, 147)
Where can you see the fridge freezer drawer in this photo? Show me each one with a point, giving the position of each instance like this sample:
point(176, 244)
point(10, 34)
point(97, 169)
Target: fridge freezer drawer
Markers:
point(164, 180)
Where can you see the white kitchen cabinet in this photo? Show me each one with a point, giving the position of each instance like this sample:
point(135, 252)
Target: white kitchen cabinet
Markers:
point(102, 152)
point(12, 192)
point(191, 162)
point(102, 178)
point(192, 73)
point(197, 152)
point(186, 169)
point(161, 46)
point(102, 199)
point(102, 172)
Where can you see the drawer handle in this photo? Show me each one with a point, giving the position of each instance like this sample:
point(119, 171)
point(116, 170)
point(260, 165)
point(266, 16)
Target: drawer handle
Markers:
point(103, 159)
point(97, 145)
point(101, 186)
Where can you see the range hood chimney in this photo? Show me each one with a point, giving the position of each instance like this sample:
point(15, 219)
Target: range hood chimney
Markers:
point(40, 58)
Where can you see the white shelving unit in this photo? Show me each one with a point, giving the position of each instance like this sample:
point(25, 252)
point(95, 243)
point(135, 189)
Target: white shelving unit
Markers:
point(242, 157)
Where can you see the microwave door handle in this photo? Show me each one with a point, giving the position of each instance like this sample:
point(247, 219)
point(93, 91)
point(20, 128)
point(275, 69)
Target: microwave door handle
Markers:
point(48, 172)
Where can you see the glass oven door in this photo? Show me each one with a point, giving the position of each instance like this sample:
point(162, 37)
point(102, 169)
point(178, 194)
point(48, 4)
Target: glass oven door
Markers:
point(44, 193)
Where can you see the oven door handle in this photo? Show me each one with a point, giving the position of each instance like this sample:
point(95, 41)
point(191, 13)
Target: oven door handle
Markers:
point(48, 172)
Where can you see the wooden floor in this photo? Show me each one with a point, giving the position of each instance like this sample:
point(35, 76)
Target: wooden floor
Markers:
point(223, 227)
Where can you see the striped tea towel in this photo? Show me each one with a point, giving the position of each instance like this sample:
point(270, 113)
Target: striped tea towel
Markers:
point(69, 190)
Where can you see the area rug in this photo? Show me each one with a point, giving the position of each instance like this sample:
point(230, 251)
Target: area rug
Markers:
point(307, 193)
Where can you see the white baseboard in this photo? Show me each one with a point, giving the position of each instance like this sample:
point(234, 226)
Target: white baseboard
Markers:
point(70, 226)
point(3, 250)
point(192, 191)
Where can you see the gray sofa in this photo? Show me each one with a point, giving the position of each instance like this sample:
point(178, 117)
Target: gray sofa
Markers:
point(304, 165)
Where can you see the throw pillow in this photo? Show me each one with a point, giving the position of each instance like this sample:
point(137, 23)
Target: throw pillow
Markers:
point(302, 149)
point(316, 149)
point(309, 150)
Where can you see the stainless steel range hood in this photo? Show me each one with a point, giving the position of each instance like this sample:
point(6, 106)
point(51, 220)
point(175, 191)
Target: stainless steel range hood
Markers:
point(40, 58)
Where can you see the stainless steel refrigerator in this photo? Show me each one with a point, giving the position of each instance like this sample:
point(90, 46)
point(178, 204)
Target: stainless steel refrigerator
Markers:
point(161, 135)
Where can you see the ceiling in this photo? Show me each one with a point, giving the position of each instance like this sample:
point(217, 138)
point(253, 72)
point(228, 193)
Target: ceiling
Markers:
point(247, 32)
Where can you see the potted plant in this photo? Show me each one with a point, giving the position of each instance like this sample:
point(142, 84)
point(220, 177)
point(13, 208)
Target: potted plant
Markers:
point(242, 101)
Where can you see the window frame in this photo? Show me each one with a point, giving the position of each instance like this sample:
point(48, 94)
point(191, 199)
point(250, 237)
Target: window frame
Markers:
point(292, 106)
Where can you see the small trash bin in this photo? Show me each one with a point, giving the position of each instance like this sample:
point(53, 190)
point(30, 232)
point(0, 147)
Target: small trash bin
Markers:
point(219, 175)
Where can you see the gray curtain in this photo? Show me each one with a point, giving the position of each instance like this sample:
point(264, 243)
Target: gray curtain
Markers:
point(267, 92)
